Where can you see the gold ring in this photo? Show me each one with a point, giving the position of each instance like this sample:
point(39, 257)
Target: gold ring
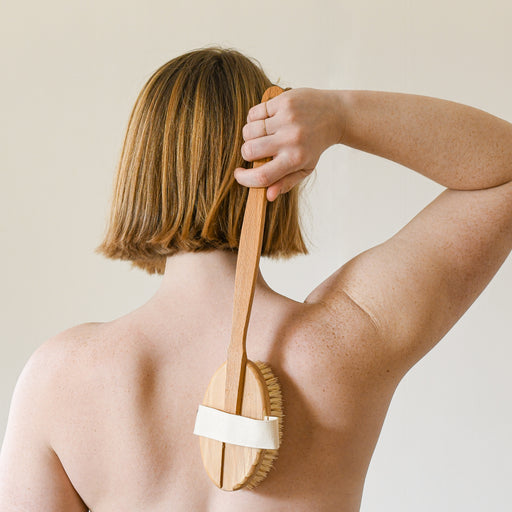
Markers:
point(265, 127)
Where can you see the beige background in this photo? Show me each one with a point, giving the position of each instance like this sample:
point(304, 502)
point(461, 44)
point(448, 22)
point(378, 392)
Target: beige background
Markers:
point(70, 75)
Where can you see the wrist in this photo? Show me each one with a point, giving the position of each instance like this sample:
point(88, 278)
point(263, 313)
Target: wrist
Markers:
point(341, 100)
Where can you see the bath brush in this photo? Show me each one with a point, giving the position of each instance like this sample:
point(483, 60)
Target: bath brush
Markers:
point(240, 422)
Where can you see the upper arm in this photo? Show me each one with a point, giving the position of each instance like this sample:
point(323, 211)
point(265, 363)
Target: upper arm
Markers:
point(417, 284)
point(31, 475)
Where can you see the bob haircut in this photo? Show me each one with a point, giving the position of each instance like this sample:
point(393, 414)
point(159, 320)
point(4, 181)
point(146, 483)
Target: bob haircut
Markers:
point(175, 188)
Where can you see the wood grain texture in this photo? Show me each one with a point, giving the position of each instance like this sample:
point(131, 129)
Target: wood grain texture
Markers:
point(247, 266)
point(238, 386)
point(240, 462)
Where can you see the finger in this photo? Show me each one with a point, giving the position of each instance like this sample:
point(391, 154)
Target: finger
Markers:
point(263, 110)
point(265, 175)
point(259, 128)
point(259, 148)
point(273, 191)
point(257, 112)
point(285, 184)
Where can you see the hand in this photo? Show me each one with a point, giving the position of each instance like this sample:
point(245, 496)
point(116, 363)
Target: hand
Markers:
point(301, 124)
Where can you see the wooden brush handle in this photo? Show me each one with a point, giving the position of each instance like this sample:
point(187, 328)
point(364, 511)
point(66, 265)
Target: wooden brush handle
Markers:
point(247, 266)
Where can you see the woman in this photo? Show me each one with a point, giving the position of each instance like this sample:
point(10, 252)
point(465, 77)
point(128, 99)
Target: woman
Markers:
point(103, 414)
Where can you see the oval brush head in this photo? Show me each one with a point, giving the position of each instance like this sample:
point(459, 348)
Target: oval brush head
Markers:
point(242, 387)
point(232, 467)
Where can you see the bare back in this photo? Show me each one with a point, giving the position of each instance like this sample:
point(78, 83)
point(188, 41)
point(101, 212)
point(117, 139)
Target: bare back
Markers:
point(123, 424)
point(103, 414)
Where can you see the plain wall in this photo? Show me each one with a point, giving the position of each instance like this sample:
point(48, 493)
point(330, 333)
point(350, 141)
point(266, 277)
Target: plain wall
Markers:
point(70, 73)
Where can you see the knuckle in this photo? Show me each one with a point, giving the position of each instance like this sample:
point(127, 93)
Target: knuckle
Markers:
point(286, 102)
point(292, 137)
point(298, 135)
point(246, 132)
point(247, 152)
point(297, 157)
point(261, 179)
point(292, 113)
point(301, 134)
point(291, 117)
point(251, 114)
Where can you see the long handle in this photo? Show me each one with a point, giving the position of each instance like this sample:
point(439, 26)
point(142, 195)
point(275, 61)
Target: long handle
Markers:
point(247, 266)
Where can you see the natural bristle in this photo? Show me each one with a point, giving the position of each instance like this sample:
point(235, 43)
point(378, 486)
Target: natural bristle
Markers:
point(276, 409)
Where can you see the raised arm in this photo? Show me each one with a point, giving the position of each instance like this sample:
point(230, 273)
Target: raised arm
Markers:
point(459, 147)
point(416, 285)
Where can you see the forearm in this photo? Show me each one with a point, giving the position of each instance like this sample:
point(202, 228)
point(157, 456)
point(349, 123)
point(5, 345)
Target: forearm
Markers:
point(458, 146)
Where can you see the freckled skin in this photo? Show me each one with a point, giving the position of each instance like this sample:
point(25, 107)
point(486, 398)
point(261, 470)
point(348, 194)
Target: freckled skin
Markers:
point(103, 414)
point(126, 394)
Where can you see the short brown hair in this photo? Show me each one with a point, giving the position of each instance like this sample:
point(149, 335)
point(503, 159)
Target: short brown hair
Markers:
point(175, 188)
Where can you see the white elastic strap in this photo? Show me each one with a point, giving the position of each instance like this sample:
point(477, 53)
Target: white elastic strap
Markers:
point(235, 429)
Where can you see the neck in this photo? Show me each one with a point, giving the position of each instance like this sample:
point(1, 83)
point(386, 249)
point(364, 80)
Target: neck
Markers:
point(201, 274)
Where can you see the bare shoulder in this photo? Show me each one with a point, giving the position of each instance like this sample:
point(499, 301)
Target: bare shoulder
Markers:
point(59, 352)
point(80, 355)
point(349, 333)
point(46, 374)
point(44, 389)
point(411, 289)
point(70, 364)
